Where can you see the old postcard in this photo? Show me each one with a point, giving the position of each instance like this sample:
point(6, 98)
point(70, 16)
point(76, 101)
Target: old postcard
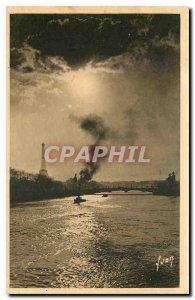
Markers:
point(97, 171)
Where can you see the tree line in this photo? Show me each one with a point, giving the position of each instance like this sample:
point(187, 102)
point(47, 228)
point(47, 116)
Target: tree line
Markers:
point(26, 187)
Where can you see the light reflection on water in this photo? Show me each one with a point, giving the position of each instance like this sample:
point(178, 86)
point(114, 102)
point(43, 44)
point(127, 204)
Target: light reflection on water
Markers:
point(104, 242)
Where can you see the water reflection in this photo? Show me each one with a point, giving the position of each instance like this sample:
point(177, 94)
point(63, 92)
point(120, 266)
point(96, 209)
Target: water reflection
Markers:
point(104, 242)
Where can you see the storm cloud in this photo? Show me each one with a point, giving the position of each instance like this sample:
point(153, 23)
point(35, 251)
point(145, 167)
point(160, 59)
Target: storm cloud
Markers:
point(122, 68)
point(81, 38)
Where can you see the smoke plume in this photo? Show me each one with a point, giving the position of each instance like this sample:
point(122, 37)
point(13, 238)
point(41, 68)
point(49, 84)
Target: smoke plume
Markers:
point(93, 125)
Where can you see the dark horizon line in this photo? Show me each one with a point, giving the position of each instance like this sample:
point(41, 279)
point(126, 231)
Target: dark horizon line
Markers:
point(99, 181)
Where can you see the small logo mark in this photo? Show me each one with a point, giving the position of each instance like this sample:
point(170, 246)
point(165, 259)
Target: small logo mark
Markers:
point(166, 260)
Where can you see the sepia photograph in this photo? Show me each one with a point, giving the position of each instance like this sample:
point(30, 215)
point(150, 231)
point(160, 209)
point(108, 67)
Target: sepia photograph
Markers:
point(97, 113)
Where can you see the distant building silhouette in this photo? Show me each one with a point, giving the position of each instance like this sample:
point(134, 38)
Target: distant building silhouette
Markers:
point(168, 187)
point(43, 170)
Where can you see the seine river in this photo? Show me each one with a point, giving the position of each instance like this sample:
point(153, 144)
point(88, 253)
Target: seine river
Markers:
point(104, 242)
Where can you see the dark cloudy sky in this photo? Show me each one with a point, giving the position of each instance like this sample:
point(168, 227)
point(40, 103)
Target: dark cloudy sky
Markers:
point(123, 68)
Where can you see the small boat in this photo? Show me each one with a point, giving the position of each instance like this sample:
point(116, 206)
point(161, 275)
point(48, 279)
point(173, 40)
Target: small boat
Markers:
point(78, 200)
point(104, 195)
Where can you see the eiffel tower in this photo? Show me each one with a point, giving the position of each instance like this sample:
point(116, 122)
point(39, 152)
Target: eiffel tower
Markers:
point(43, 170)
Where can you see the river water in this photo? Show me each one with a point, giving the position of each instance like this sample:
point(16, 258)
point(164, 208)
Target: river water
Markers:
point(104, 242)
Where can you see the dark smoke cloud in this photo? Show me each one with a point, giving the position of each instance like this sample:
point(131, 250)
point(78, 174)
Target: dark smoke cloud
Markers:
point(93, 125)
